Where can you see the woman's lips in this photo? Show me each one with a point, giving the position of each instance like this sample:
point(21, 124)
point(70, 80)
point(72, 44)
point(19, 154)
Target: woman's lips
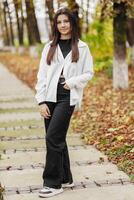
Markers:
point(64, 29)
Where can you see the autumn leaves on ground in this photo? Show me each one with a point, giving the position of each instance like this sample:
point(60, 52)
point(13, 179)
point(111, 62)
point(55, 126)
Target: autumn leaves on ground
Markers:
point(107, 116)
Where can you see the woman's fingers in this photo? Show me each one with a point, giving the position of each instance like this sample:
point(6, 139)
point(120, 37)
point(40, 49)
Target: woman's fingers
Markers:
point(44, 111)
point(66, 86)
point(48, 111)
point(45, 114)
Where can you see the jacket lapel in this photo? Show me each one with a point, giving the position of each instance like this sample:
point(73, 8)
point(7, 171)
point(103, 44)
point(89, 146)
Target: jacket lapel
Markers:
point(81, 44)
point(60, 56)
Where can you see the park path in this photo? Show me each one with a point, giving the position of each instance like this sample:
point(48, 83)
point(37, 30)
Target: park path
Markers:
point(22, 152)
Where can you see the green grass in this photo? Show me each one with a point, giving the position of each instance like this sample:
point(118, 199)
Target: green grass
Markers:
point(132, 177)
point(121, 150)
point(124, 166)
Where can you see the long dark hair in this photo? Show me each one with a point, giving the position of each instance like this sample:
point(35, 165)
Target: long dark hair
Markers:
point(56, 35)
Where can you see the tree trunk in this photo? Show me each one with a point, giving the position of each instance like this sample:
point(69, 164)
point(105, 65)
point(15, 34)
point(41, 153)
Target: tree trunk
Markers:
point(120, 67)
point(1, 22)
point(74, 7)
point(50, 12)
point(33, 31)
point(87, 15)
point(58, 3)
point(10, 22)
point(130, 37)
point(18, 7)
point(6, 33)
point(132, 56)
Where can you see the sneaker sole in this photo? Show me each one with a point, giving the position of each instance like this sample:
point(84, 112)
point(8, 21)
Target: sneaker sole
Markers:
point(68, 186)
point(50, 195)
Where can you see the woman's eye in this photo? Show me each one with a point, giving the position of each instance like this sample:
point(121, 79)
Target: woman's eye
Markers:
point(59, 22)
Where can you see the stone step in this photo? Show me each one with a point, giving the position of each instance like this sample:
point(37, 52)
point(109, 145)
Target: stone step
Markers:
point(17, 110)
point(38, 149)
point(16, 98)
point(27, 177)
point(23, 131)
point(37, 136)
point(116, 192)
point(33, 143)
point(17, 105)
point(35, 129)
point(19, 116)
point(11, 85)
point(20, 124)
point(90, 155)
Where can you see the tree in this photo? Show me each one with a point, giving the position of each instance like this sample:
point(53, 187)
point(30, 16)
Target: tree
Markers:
point(74, 7)
point(31, 21)
point(130, 37)
point(87, 15)
point(6, 32)
point(119, 13)
point(7, 10)
point(50, 12)
point(2, 24)
point(20, 20)
point(120, 67)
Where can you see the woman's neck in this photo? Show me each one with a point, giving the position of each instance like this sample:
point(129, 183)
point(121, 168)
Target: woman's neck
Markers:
point(65, 37)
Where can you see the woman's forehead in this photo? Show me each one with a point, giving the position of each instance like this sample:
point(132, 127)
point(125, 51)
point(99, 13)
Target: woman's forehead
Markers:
point(62, 17)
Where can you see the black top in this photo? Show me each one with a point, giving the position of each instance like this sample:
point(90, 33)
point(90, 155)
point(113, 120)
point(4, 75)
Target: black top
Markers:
point(65, 46)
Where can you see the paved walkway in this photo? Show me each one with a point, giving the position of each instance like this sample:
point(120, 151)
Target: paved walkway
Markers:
point(23, 152)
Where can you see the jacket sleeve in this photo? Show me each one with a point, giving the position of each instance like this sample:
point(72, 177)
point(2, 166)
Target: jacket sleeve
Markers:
point(81, 80)
point(40, 86)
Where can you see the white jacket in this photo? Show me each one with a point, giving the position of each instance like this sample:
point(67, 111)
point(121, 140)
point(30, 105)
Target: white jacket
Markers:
point(76, 74)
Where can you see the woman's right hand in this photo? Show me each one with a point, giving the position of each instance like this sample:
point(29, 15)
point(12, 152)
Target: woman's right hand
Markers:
point(44, 111)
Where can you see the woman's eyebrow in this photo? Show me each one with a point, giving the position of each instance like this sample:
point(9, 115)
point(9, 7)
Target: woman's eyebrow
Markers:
point(62, 20)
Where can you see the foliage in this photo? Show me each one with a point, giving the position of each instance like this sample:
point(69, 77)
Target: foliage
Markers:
point(107, 5)
point(1, 191)
point(26, 71)
point(110, 124)
point(39, 48)
point(26, 42)
point(100, 41)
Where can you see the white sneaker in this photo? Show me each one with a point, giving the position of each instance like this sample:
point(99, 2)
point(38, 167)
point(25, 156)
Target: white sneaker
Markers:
point(49, 192)
point(67, 185)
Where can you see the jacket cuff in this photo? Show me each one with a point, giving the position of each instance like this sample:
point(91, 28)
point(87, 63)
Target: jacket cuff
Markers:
point(70, 83)
point(43, 102)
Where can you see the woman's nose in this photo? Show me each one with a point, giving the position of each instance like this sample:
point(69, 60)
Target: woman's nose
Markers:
point(62, 24)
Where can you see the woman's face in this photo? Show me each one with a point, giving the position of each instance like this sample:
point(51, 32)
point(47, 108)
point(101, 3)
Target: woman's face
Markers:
point(63, 25)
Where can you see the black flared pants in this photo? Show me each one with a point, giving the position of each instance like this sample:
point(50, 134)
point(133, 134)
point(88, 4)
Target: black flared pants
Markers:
point(57, 166)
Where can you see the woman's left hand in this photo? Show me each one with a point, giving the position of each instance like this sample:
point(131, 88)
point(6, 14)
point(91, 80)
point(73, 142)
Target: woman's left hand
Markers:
point(66, 86)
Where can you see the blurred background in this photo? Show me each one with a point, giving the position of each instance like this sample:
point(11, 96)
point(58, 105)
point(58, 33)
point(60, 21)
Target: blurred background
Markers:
point(107, 26)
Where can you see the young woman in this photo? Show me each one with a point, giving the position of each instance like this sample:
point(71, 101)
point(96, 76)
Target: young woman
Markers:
point(65, 67)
